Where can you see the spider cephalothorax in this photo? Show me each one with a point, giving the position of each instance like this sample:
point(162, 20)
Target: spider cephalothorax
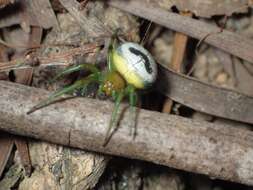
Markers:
point(129, 67)
point(113, 82)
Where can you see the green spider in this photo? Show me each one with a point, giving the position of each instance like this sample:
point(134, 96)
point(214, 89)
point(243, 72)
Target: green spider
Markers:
point(129, 67)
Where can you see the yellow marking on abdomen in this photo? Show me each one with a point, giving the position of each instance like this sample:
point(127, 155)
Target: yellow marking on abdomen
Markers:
point(129, 75)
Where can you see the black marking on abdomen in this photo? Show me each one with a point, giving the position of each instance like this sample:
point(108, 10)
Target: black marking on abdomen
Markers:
point(144, 57)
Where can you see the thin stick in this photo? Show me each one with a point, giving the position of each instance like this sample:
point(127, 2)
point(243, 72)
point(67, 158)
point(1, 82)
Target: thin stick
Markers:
point(63, 58)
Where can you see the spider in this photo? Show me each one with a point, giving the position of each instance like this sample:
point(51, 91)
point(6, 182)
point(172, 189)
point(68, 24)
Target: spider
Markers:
point(130, 67)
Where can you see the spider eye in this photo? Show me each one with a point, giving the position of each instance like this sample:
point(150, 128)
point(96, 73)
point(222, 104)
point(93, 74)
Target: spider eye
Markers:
point(135, 64)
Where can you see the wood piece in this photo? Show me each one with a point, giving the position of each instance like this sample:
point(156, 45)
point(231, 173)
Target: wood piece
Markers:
point(228, 41)
point(215, 150)
point(23, 151)
point(179, 46)
point(167, 105)
point(56, 168)
point(204, 97)
point(6, 145)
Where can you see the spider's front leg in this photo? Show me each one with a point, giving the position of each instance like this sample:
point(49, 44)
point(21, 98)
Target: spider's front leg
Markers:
point(70, 89)
point(89, 67)
point(80, 84)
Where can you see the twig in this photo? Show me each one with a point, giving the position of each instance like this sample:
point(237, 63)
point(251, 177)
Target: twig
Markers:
point(169, 140)
point(228, 41)
point(63, 58)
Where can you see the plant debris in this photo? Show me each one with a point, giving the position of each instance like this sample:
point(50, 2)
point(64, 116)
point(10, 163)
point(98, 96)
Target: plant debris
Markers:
point(206, 97)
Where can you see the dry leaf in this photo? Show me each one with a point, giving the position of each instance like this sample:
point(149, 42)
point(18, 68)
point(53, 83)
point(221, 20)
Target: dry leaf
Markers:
point(206, 8)
point(28, 13)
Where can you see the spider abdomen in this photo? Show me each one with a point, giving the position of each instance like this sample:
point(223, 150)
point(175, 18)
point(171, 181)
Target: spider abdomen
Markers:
point(135, 64)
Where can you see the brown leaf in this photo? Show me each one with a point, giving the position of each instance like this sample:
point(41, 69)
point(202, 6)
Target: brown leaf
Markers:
point(6, 145)
point(206, 8)
point(44, 13)
point(19, 38)
point(243, 77)
point(18, 14)
point(204, 97)
point(29, 13)
point(23, 151)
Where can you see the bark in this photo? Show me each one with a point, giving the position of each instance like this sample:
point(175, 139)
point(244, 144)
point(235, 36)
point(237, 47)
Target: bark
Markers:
point(215, 150)
point(57, 168)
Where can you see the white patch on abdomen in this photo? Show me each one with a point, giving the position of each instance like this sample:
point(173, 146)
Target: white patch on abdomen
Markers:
point(136, 63)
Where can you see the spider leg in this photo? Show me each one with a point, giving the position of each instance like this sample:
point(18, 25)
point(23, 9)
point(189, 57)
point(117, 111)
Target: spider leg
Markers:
point(110, 65)
point(133, 98)
point(111, 49)
point(90, 67)
point(113, 122)
point(77, 85)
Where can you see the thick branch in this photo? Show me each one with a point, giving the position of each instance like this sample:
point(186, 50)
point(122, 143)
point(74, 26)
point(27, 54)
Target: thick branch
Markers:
point(228, 41)
point(216, 150)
